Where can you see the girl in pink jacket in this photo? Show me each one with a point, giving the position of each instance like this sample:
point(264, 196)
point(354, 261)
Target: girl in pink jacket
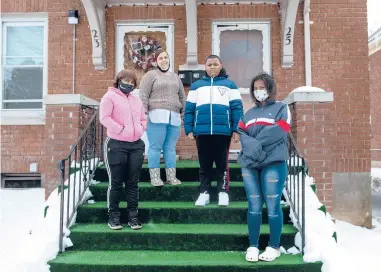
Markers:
point(123, 115)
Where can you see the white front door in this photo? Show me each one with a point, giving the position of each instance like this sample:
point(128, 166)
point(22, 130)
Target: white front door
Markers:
point(245, 50)
point(136, 44)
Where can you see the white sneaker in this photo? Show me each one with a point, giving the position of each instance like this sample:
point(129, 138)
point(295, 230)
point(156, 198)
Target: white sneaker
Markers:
point(252, 254)
point(223, 199)
point(203, 199)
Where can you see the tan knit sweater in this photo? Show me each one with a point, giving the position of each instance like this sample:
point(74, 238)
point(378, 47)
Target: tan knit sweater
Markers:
point(162, 91)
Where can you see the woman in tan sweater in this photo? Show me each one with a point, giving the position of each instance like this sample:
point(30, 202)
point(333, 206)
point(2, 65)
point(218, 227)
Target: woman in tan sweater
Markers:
point(163, 97)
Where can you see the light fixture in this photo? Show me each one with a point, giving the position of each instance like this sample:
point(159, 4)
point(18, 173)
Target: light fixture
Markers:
point(73, 17)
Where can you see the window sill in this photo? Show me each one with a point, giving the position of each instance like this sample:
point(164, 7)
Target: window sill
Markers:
point(22, 117)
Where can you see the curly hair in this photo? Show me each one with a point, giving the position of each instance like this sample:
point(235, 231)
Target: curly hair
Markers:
point(125, 74)
point(269, 84)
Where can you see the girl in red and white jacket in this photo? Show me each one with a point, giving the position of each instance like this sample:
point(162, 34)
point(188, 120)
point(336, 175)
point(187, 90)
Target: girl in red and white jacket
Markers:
point(123, 115)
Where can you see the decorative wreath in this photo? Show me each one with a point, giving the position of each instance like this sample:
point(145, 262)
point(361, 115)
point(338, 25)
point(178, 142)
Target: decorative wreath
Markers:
point(143, 51)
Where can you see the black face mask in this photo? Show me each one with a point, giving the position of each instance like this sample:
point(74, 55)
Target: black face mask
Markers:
point(126, 88)
point(164, 71)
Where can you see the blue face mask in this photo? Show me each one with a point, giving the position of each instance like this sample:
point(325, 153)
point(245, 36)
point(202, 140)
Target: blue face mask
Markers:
point(126, 88)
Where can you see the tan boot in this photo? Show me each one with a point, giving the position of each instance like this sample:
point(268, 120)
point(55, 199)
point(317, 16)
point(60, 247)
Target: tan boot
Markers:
point(155, 177)
point(171, 176)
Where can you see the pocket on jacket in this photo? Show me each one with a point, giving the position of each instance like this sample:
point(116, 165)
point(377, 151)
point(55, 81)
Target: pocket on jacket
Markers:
point(139, 130)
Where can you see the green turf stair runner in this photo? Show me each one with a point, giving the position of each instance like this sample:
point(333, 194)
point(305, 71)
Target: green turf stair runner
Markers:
point(176, 212)
point(187, 171)
point(176, 235)
point(172, 237)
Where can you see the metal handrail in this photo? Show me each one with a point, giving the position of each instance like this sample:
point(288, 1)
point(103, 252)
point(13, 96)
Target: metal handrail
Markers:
point(87, 149)
point(295, 185)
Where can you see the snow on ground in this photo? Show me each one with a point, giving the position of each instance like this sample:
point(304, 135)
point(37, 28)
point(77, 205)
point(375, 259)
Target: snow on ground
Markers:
point(20, 210)
point(29, 229)
point(358, 249)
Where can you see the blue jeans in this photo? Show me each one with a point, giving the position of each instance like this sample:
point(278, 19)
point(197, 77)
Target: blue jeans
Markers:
point(265, 186)
point(162, 137)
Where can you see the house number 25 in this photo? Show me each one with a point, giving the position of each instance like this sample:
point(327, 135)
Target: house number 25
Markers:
point(95, 37)
point(288, 36)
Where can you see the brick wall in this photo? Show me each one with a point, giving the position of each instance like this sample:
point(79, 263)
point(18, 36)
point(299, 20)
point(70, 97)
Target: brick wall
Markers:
point(21, 146)
point(340, 64)
point(24, 6)
point(375, 102)
point(312, 127)
point(62, 130)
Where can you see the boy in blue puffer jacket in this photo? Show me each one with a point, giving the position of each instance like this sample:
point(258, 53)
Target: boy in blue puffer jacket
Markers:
point(212, 112)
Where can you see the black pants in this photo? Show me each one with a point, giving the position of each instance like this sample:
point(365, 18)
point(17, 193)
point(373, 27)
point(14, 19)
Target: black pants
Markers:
point(213, 148)
point(124, 161)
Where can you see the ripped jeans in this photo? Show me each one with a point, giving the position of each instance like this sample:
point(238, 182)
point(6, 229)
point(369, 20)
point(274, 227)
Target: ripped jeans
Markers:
point(265, 186)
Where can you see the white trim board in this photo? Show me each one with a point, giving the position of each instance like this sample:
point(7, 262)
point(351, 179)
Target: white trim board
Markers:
point(67, 99)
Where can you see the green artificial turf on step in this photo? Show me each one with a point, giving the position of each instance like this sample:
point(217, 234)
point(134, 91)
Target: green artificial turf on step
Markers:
point(174, 205)
point(187, 191)
point(176, 212)
point(184, 261)
point(186, 171)
point(220, 229)
point(173, 237)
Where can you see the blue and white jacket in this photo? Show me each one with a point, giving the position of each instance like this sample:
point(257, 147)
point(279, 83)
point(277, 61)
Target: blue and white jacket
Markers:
point(263, 135)
point(213, 107)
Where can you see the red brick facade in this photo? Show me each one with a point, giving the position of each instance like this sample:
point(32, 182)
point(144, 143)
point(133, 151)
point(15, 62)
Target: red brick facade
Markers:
point(375, 94)
point(334, 137)
point(20, 146)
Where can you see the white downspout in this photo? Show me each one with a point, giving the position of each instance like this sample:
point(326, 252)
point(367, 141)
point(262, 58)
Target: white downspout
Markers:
point(307, 43)
point(74, 40)
point(191, 40)
point(191, 6)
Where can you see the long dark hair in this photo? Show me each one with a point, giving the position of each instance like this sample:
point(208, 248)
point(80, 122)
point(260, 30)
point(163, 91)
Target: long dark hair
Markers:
point(269, 84)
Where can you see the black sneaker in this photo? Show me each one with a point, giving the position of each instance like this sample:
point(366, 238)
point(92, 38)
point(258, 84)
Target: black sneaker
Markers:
point(134, 223)
point(114, 224)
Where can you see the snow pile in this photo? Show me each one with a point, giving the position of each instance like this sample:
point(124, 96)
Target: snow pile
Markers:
point(42, 243)
point(358, 249)
point(376, 179)
point(320, 230)
point(20, 209)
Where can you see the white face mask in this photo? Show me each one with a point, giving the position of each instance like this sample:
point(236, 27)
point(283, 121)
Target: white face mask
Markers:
point(261, 95)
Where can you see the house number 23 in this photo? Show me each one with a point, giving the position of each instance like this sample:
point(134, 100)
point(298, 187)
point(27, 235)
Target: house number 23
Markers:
point(288, 36)
point(95, 37)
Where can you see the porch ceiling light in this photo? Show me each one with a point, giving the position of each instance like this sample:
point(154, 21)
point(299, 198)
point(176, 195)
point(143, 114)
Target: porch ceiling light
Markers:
point(73, 17)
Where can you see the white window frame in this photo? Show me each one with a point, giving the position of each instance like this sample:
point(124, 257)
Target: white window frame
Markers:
point(137, 27)
point(24, 116)
point(263, 26)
